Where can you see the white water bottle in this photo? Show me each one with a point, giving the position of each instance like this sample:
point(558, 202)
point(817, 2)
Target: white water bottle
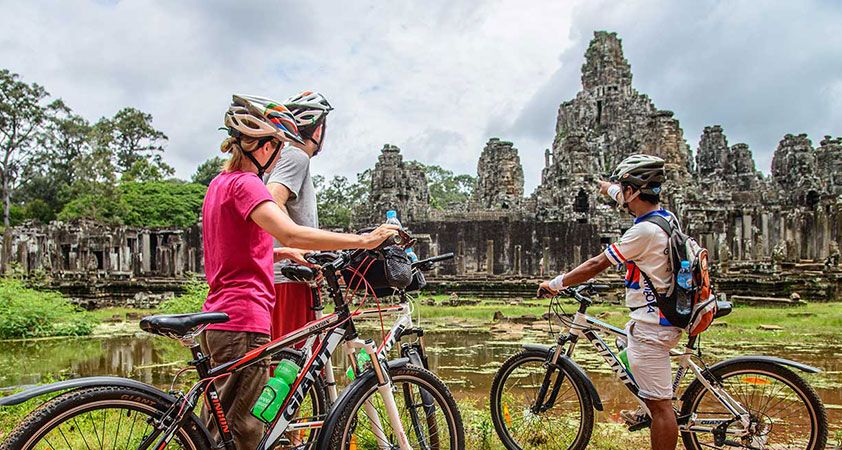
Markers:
point(685, 279)
point(392, 218)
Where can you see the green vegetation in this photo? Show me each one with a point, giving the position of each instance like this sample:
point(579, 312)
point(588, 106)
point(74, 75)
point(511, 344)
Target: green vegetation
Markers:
point(208, 170)
point(55, 164)
point(446, 188)
point(191, 301)
point(338, 198)
point(30, 313)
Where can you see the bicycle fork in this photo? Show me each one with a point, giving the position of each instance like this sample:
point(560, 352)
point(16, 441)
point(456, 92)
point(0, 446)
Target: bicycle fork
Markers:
point(384, 388)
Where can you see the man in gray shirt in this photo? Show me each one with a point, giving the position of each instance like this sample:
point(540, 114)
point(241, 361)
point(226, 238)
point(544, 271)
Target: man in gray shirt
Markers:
point(292, 189)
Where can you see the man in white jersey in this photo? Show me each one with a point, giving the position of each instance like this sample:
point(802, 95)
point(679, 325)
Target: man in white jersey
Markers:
point(637, 186)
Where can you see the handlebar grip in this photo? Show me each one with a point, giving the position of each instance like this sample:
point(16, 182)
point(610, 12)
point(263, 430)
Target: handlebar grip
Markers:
point(601, 287)
point(443, 257)
point(544, 293)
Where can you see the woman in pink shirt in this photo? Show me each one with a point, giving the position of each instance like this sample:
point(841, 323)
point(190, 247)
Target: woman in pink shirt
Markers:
point(239, 219)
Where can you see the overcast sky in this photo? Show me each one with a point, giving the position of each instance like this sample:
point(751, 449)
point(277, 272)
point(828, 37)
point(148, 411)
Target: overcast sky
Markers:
point(436, 78)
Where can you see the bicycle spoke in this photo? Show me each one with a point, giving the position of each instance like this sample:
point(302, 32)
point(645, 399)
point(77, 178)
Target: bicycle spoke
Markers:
point(117, 434)
point(80, 434)
point(131, 430)
point(70, 447)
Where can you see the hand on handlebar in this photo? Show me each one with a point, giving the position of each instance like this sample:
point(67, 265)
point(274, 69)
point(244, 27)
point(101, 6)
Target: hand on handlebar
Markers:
point(373, 240)
point(544, 290)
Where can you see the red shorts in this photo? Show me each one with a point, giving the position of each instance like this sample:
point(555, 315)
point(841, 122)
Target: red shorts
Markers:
point(293, 308)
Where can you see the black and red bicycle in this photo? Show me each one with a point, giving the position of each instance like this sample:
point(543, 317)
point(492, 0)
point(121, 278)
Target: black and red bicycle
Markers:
point(392, 404)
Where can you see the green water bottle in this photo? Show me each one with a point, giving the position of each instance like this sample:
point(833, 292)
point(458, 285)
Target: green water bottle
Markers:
point(624, 358)
point(362, 358)
point(275, 391)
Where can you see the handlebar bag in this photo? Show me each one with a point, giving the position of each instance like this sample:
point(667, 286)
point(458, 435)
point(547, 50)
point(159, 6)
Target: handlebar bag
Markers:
point(390, 270)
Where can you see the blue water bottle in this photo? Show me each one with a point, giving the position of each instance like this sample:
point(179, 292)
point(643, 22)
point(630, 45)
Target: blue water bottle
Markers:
point(685, 280)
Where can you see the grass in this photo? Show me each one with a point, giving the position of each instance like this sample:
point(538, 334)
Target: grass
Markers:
point(823, 319)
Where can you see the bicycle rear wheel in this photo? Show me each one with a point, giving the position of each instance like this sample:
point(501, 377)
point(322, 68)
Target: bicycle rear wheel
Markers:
point(99, 417)
point(567, 424)
point(786, 413)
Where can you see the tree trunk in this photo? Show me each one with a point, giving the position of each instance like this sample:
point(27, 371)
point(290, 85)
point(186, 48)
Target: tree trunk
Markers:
point(6, 200)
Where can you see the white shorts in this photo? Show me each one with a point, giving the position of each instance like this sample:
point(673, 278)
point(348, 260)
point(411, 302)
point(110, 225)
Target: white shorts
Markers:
point(649, 361)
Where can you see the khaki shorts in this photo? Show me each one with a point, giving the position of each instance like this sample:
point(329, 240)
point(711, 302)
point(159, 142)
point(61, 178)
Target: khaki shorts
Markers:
point(649, 361)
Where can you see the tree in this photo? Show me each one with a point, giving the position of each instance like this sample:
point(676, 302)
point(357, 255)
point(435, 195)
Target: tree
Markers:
point(162, 204)
point(22, 113)
point(208, 170)
point(338, 199)
point(446, 188)
point(132, 138)
point(94, 193)
point(64, 138)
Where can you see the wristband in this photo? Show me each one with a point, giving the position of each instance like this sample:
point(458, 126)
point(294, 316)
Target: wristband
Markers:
point(613, 192)
point(557, 283)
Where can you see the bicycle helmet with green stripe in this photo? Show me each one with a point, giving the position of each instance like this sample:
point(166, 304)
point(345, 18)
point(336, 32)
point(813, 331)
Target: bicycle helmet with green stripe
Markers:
point(310, 110)
point(262, 119)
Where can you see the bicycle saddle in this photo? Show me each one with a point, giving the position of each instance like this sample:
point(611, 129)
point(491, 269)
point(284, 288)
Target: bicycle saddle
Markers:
point(180, 324)
point(298, 273)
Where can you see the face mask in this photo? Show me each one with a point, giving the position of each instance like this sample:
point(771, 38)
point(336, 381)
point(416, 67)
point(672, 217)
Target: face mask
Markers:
point(615, 191)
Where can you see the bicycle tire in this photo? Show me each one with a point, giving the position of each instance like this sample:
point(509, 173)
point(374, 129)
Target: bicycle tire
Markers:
point(428, 402)
point(340, 435)
point(499, 415)
point(755, 372)
point(84, 403)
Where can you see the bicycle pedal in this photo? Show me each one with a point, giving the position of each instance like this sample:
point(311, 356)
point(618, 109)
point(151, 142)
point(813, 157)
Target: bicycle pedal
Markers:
point(646, 423)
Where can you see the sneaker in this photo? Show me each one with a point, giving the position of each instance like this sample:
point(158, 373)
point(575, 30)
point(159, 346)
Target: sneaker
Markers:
point(633, 417)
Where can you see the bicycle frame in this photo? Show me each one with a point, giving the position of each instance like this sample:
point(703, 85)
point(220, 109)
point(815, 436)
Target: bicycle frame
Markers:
point(333, 329)
point(589, 328)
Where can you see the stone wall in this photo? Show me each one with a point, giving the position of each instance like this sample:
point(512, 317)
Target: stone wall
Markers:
point(102, 265)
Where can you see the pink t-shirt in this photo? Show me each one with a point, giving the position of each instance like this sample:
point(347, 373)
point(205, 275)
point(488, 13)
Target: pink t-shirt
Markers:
point(238, 253)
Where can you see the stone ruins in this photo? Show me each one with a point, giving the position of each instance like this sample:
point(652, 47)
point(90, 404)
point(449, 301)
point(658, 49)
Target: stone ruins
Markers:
point(767, 235)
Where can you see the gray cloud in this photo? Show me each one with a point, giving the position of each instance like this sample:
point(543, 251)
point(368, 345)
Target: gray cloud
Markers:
point(437, 78)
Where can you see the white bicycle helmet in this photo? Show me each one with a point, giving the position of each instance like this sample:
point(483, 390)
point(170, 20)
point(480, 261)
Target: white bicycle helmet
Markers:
point(310, 110)
point(641, 171)
point(260, 117)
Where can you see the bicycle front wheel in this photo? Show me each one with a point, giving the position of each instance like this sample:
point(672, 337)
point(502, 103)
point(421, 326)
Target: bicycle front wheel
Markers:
point(99, 417)
point(785, 412)
point(520, 424)
point(363, 422)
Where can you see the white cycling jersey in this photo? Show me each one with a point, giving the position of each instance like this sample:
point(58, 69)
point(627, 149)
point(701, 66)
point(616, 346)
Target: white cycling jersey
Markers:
point(644, 247)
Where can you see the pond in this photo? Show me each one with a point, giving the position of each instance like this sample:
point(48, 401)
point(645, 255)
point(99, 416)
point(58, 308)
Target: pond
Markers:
point(466, 360)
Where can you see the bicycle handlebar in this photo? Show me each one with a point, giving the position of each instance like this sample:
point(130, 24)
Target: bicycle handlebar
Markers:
point(427, 264)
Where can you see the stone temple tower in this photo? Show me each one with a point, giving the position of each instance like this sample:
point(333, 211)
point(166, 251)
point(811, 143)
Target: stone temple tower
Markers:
point(499, 177)
point(607, 121)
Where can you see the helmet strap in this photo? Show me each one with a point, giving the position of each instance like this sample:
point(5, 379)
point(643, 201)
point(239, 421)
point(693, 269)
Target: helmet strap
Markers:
point(261, 168)
point(321, 137)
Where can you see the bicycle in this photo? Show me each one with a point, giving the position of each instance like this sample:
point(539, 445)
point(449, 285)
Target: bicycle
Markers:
point(541, 398)
point(168, 421)
point(323, 394)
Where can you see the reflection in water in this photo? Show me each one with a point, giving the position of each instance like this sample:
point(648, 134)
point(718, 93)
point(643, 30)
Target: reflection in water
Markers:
point(466, 361)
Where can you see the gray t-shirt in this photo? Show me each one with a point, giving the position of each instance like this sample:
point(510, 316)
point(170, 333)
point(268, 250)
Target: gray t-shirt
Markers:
point(293, 171)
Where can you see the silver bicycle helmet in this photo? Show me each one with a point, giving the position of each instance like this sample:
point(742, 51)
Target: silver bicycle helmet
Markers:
point(260, 117)
point(641, 171)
